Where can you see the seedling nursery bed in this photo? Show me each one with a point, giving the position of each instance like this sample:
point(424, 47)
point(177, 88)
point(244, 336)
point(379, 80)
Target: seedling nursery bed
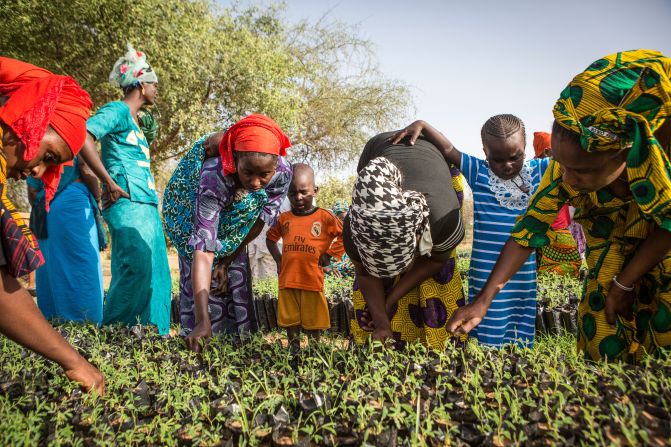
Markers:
point(257, 392)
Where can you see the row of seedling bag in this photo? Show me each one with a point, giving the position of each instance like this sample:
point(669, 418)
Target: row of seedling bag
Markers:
point(549, 320)
point(555, 320)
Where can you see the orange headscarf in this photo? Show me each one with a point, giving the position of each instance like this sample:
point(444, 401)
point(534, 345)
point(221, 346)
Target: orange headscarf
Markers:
point(254, 133)
point(541, 142)
point(37, 99)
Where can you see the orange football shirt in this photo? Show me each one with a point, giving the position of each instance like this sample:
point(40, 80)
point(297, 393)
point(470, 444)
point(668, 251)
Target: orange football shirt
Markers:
point(304, 240)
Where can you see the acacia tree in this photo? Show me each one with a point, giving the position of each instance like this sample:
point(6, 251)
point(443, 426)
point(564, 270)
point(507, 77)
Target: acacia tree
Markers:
point(319, 81)
point(346, 98)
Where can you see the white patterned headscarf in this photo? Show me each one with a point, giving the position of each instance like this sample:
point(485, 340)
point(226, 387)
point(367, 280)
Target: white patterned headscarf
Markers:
point(131, 69)
point(386, 221)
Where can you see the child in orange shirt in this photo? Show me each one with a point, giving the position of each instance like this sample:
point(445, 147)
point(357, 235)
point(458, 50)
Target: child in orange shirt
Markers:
point(311, 236)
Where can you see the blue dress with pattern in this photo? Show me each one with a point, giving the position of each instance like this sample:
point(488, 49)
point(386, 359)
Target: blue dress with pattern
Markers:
point(496, 206)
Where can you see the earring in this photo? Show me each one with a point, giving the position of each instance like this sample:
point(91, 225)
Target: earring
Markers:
point(142, 87)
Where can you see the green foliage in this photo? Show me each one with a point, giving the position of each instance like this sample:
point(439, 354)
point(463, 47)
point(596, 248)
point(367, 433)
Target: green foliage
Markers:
point(17, 193)
point(266, 286)
point(318, 80)
point(555, 290)
point(334, 188)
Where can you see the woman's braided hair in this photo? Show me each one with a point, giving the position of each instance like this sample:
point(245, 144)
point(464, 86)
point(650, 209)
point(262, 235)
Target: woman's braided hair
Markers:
point(503, 126)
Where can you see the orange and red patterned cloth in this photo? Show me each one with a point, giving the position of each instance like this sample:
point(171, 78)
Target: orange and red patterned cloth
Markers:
point(35, 99)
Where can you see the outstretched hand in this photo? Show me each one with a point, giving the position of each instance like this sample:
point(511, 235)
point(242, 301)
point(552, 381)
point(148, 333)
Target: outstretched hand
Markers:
point(90, 379)
point(466, 318)
point(383, 335)
point(414, 130)
point(619, 303)
point(199, 337)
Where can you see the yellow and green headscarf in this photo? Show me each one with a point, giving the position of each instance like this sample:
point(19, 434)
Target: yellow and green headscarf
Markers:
point(618, 102)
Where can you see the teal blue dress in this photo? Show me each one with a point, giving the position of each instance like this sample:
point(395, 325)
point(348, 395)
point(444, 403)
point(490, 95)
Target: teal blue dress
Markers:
point(70, 282)
point(141, 286)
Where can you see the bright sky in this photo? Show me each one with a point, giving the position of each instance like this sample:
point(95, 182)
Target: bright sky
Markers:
point(468, 60)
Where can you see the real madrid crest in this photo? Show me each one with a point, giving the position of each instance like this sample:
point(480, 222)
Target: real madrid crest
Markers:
point(316, 229)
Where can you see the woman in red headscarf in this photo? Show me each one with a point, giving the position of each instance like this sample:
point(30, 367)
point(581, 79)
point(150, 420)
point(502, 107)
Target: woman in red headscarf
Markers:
point(561, 255)
point(42, 125)
point(212, 209)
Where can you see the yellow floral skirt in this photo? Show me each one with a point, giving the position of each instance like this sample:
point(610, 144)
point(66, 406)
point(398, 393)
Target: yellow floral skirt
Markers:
point(421, 315)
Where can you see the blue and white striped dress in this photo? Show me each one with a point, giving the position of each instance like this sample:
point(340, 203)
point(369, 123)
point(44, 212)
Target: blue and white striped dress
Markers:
point(496, 205)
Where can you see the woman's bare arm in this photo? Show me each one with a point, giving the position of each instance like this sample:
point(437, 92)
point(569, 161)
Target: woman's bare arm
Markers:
point(451, 154)
point(90, 180)
point(372, 290)
point(650, 253)
point(89, 154)
point(22, 321)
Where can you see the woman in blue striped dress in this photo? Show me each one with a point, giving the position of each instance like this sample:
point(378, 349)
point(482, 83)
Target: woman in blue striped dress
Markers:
point(502, 184)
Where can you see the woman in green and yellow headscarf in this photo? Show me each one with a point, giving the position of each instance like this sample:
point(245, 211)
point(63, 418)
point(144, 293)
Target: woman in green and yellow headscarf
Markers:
point(611, 141)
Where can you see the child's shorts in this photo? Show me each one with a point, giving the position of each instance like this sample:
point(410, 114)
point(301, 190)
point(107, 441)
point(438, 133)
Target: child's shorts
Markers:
point(305, 308)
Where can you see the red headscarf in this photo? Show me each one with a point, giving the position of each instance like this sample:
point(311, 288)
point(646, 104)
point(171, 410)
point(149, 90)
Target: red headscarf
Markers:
point(254, 133)
point(37, 99)
point(541, 142)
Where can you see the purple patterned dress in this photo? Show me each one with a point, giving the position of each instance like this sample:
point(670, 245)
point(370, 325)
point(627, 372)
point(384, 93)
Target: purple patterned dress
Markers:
point(232, 312)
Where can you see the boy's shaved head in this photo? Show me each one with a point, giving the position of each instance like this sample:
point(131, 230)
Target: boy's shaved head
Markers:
point(303, 172)
point(302, 189)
